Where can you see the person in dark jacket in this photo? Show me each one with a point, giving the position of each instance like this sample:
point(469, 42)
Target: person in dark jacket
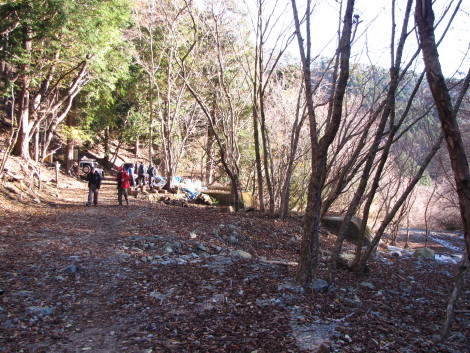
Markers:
point(94, 184)
point(152, 172)
point(141, 175)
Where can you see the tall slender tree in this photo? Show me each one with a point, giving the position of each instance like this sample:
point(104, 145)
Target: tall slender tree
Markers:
point(320, 143)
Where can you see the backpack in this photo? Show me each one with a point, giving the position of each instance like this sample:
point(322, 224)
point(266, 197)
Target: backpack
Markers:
point(151, 171)
point(141, 169)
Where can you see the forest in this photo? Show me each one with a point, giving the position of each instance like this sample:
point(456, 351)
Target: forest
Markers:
point(258, 96)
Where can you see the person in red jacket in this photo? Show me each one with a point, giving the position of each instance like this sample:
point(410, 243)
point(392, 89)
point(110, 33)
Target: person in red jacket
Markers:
point(123, 184)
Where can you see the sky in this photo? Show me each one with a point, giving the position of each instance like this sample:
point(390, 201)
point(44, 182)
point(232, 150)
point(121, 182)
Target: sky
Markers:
point(372, 45)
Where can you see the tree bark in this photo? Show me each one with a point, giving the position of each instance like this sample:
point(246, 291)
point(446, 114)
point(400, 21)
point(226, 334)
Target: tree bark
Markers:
point(310, 243)
point(447, 113)
point(448, 116)
point(22, 144)
point(209, 167)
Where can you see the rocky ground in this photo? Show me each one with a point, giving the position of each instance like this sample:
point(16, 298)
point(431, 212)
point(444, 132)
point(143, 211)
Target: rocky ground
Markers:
point(153, 277)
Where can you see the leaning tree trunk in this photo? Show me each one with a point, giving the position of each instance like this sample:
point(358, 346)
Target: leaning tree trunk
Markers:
point(447, 113)
point(448, 117)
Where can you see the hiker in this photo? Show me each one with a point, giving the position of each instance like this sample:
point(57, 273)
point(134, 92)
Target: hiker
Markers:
point(130, 171)
point(152, 172)
point(123, 184)
point(142, 171)
point(94, 184)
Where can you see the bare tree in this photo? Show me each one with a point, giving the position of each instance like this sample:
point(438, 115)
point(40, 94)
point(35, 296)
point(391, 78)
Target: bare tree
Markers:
point(448, 116)
point(221, 91)
point(265, 62)
point(310, 243)
point(159, 37)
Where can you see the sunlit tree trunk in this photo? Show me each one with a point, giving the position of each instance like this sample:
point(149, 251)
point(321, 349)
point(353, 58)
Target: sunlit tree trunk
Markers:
point(22, 143)
point(209, 168)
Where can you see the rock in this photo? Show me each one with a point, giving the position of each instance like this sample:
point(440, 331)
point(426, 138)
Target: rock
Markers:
point(228, 209)
point(149, 246)
point(157, 295)
point(242, 254)
point(333, 224)
point(457, 337)
point(168, 249)
point(325, 347)
point(205, 199)
point(249, 202)
point(234, 238)
point(345, 260)
point(367, 285)
point(425, 252)
point(24, 293)
point(201, 247)
point(320, 285)
point(39, 310)
point(69, 269)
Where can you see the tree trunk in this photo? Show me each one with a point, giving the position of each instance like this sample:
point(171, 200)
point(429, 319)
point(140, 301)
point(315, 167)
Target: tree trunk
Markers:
point(448, 116)
point(150, 121)
point(310, 243)
point(295, 135)
point(22, 144)
point(107, 151)
point(389, 112)
point(259, 170)
point(459, 280)
point(447, 113)
point(209, 167)
point(136, 147)
point(266, 155)
point(36, 145)
point(69, 156)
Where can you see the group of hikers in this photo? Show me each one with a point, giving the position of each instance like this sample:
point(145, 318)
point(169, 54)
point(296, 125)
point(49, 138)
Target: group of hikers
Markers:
point(127, 176)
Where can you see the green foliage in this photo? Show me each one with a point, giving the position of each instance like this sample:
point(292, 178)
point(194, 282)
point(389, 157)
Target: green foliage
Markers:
point(77, 135)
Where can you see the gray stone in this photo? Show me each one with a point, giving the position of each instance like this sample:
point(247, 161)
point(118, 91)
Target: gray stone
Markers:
point(234, 238)
point(69, 269)
point(242, 254)
point(39, 310)
point(24, 293)
point(201, 247)
point(168, 249)
point(320, 285)
point(157, 295)
point(367, 285)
